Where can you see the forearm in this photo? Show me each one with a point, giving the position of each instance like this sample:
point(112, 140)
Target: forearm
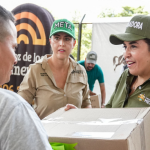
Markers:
point(103, 94)
point(103, 97)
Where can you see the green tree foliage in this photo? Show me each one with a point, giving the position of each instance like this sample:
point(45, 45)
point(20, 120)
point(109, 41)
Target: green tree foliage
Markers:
point(107, 13)
point(126, 12)
point(85, 37)
point(130, 11)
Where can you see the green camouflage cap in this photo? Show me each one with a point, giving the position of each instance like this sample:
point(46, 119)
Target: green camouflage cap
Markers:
point(138, 28)
point(63, 25)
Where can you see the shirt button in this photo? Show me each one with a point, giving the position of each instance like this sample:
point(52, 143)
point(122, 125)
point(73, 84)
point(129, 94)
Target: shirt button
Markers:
point(140, 87)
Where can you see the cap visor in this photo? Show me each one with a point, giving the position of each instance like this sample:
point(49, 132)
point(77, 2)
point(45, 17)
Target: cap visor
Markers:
point(117, 39)
point(62, 31)
point(90, 61)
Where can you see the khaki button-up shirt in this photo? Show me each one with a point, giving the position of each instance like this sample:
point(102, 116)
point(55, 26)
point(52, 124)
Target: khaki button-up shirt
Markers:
point(39, 84)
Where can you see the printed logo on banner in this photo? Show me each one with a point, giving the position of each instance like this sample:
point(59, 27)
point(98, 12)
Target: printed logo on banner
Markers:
point(35, 38)
point(31, 30)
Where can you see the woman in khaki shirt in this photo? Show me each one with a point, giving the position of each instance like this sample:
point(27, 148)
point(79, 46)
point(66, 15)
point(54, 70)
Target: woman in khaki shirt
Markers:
point(57, 80)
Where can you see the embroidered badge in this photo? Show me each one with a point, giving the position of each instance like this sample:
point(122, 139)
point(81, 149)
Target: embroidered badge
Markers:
point(77, 71)
point(143, 98)
point(43, 74)
point(93, 56)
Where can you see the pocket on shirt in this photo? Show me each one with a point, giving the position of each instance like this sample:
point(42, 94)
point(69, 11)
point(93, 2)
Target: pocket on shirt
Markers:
point(45, 86)
point(76, 86)
point(44, 81)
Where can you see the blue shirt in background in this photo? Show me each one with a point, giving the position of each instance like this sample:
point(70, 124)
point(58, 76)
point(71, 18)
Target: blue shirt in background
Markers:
point(93, 75)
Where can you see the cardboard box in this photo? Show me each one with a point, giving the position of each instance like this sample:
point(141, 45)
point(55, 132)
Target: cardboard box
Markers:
point(96, 101)
point(101, 129)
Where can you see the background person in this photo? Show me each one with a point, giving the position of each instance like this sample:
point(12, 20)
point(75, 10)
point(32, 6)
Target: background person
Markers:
point(94, 73)
point(57, 79)
point(132, 89)
point(20, 127)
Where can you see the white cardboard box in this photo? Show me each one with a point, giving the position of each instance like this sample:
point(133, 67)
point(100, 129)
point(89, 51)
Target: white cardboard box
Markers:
point(101, 129)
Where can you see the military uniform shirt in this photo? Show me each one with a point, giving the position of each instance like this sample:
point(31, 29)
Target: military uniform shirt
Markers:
point(120, 98)
point(39, 84)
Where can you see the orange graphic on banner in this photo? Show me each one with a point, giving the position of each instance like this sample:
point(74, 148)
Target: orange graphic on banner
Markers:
point(30, 29)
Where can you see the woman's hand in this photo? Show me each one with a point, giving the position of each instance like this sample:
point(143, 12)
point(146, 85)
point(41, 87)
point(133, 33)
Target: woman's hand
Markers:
point(70, 106)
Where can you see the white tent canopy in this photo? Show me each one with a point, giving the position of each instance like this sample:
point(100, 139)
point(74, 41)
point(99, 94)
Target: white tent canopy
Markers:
point(101, 31)
point(106, 20)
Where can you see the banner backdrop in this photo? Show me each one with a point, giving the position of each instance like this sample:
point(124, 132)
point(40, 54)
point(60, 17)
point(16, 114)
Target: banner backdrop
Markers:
point(106, 51)
point(33, 25)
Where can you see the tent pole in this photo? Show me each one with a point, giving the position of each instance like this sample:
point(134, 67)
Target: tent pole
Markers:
point(79, 38)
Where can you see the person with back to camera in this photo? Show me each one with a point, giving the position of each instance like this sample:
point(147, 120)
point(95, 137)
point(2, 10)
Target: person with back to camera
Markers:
point(57, 79)
point(94, 72)
point(133, 87)
point(20, 127)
